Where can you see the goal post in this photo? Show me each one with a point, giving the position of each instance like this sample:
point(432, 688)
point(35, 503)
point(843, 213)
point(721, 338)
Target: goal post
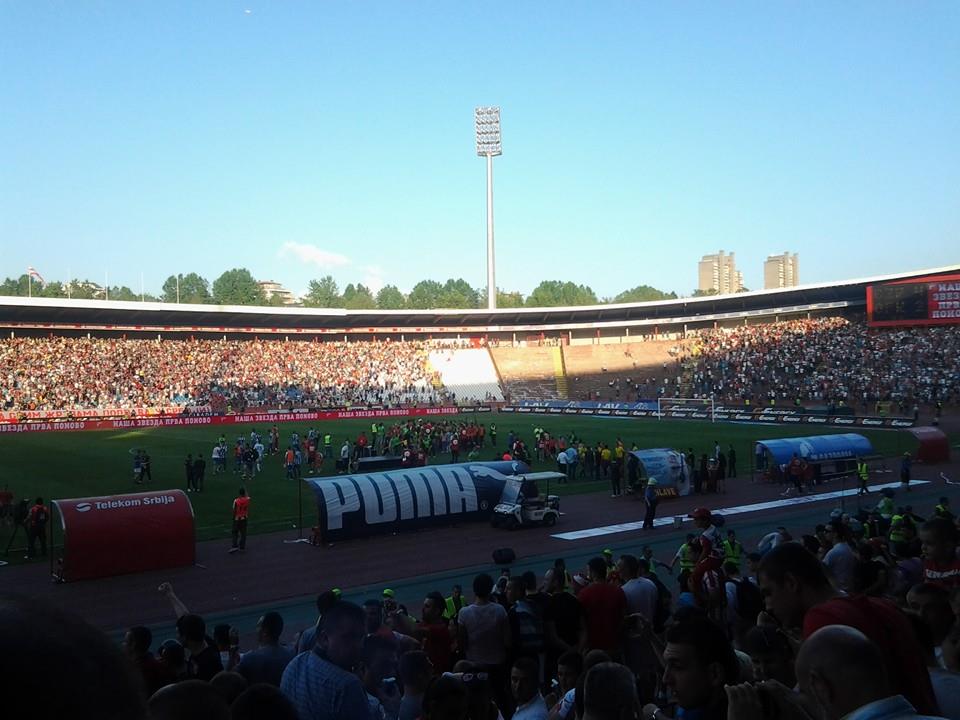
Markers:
point(687, 405)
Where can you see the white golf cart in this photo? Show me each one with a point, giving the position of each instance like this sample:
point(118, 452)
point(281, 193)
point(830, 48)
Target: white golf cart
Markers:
point(521, 503)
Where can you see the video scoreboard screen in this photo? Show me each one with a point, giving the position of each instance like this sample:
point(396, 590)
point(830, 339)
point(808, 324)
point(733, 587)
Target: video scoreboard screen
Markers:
point(924, 301)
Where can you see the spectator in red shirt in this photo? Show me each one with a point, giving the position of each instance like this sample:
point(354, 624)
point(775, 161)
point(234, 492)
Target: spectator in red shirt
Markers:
point(605, 607)
point(434, 633)
point(799, 595)
point(940, 563)
point(136, 644)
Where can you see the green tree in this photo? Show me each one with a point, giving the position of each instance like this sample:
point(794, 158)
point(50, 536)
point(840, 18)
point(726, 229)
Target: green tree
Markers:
point(85, 290)
point(425, 295)
point(555, 293)
point(705, 293)
point(358, 298)
point(509, 300)
point(54, 289)
point(237, 287)
point(122, 292)
point(458, 294)
point(15, 286)
point(275, 301)
point(390, 298)
point(643, 293)
point(323, 293)
point(193, 289)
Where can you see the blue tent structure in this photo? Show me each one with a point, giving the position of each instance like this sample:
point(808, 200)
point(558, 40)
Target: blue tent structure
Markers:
point(818, 448)
point(667, 466)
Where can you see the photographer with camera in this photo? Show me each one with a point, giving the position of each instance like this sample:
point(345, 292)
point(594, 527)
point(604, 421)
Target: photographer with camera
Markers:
point(20, 514)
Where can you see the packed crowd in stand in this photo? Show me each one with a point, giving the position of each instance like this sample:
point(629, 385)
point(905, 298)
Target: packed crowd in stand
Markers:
point(824, 361)
point(827, 360)
point(59, 373)
point(859, 619)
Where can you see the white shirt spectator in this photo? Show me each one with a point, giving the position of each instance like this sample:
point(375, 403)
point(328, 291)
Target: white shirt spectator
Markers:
point(841, 562)
point(486, 627)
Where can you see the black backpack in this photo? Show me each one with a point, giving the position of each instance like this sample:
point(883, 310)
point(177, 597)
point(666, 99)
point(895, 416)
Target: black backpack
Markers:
point(749, 600)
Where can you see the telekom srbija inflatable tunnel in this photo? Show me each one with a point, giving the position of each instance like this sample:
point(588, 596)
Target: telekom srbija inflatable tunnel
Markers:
point(120, 534)
point(352, 506)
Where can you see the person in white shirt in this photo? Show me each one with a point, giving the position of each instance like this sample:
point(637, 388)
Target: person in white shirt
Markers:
point(524, 679)
point(841, 561)
point(642, 599)
point(259, 450)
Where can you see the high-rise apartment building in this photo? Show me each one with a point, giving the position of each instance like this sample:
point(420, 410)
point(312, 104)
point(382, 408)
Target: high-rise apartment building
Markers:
point(271, 288)
point(719, 274)
point(781, 271)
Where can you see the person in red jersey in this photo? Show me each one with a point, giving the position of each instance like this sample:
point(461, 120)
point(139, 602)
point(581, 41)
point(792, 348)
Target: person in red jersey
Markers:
point(605, 607)
point(940, 563)
point(798, 595)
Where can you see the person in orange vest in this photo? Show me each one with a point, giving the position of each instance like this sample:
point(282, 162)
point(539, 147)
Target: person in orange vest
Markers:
point(241, 508)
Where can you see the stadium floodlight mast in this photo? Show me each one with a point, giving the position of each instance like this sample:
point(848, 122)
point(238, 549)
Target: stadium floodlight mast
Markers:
point(487, 120)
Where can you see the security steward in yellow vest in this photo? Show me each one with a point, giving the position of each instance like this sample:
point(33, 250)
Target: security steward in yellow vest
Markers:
point(454, 603)
point(863, 472)
point(732, 549)
point(685, 556)
point(897, 530)
point(942, 509)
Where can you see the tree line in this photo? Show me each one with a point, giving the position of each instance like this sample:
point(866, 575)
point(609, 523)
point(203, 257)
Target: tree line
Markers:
point(239, 287)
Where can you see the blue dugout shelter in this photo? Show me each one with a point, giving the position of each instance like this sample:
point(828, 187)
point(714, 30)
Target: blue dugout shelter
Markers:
point(817, 448)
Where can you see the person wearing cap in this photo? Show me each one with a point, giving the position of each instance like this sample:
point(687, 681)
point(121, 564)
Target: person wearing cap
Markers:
point(651, 499)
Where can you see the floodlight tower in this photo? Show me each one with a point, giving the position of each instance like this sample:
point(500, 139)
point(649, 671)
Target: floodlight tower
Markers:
point(487, 121)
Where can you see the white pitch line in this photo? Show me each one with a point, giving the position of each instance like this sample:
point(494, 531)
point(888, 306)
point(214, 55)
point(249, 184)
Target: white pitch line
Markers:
point(736, 510)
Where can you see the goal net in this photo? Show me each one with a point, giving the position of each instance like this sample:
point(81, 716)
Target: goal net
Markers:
point(697, 408)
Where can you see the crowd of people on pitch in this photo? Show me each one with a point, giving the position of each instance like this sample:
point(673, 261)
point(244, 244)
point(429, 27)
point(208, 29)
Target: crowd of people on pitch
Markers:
point(827, 361)
point(80, 373)
point(859, 620)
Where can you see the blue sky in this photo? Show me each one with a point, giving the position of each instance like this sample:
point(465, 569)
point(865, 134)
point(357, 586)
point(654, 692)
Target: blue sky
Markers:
point(301, 138)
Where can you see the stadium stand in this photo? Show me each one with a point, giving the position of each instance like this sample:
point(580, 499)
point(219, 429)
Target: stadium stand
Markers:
point(621, 371)
point(467, 374)
point(527, 372)
point(60, 373)
point(828, 360)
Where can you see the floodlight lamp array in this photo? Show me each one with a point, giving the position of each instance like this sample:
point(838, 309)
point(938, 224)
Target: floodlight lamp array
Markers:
point(487, 120)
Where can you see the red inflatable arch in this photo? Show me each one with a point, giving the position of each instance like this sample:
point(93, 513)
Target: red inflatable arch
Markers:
point(934, 447)
point(119, 534)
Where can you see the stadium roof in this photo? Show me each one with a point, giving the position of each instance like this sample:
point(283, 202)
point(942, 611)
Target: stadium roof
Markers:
point(59, 313)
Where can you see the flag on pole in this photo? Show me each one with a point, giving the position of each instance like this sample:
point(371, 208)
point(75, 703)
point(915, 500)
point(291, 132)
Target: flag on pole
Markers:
point(32, 272)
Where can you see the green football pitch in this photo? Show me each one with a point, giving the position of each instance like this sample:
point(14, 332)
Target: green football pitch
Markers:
point(81, 464)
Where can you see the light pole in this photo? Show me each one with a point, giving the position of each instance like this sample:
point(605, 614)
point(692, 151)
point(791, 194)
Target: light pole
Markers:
point(487, 120)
